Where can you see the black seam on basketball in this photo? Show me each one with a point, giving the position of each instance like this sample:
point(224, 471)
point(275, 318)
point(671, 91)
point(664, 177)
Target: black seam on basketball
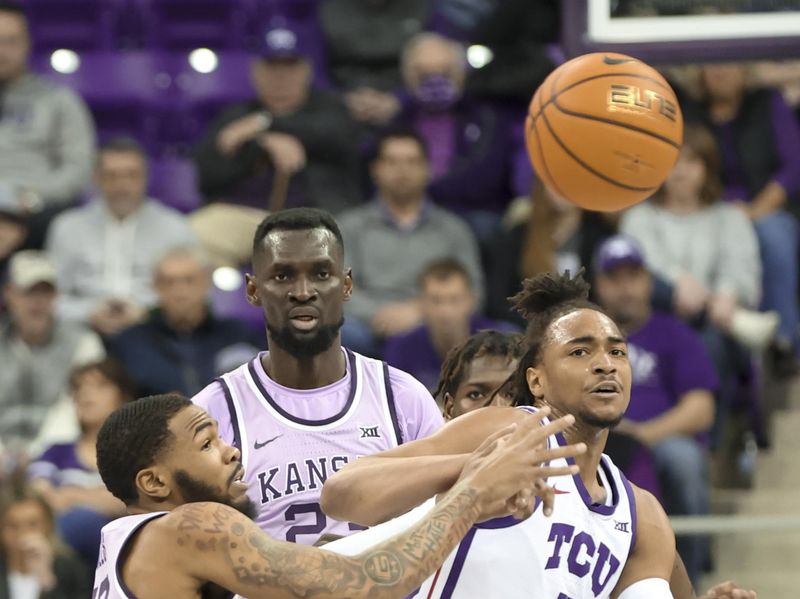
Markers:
point(601, 119)
point(589, 168)
point(592, 78)
point(552, 179)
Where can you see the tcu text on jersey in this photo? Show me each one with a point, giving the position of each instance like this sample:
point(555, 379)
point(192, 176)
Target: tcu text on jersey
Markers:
point(581, 555)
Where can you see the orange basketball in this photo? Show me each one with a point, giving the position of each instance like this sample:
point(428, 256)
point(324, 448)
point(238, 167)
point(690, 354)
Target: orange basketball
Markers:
point(604, 131)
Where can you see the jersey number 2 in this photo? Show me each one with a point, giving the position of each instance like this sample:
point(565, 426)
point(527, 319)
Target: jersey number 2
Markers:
point(319, 525)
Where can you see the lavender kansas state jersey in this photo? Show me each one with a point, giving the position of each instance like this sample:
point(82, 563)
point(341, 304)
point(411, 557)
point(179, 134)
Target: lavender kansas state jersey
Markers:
point(114, 536)
point(291, 440)
point(577, 553)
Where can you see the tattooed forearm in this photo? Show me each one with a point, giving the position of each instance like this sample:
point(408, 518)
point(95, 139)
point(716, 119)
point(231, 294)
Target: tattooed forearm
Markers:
point(257, 566)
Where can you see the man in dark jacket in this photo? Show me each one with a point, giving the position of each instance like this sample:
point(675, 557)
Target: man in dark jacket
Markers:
point(292, 145)
point(182, 346)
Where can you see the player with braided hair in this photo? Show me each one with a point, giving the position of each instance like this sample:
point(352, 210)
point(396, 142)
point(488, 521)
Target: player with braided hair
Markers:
point(474, 373)
point(601, 537)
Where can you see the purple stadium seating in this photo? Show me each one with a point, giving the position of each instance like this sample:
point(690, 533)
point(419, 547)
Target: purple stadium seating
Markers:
point(233, 304)
point(173, 181)
point(126, 91)
point(75, 24)
point(189, 24)
point(199, 97)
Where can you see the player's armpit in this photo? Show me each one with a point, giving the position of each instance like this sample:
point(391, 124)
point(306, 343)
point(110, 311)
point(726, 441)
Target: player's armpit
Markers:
point(376, 488)
point(654, 553)
point(217, 544)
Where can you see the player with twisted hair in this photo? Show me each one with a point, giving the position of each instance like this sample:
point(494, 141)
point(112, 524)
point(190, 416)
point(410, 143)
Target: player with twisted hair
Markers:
point(602, 537)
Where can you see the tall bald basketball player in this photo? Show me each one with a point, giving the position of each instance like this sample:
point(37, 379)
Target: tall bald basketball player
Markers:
point(186, 538)
point(597, 536)
point(308, 406)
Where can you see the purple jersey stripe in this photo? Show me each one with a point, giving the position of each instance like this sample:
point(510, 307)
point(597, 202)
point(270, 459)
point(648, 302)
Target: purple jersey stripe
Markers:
point(603, 510)
point(237, 437)
point(392, 409)
point(351, 358)
point(458, 565)
point(632, 502)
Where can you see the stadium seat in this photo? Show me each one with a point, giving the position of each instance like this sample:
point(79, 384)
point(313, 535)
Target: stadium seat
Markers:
point(173, 181)
point(189, 24)
point(198, 98)
point(126, 91)
point(75, 24)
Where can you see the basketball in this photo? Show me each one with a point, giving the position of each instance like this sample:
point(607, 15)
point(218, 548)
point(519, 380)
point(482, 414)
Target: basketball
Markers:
point(603, 131)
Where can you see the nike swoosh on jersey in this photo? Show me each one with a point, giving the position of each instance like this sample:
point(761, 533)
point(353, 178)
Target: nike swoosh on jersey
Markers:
point(609, 60)
point(258, 445)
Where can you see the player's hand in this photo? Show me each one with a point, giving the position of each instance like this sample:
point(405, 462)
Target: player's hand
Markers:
point(286, 152)
point(728, 590)
point(236, 133)
point(510, 468)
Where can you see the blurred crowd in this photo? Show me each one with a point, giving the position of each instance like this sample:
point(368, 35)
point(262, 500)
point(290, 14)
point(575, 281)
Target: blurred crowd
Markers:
point(405, 120)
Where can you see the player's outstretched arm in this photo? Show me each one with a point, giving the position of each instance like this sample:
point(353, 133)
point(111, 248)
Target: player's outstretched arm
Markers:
point(377, 488)
point(225, 548)
point(214, 543)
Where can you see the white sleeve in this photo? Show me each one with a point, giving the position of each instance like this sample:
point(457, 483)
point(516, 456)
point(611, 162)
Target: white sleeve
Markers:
point(361, 541)
point(649, 588)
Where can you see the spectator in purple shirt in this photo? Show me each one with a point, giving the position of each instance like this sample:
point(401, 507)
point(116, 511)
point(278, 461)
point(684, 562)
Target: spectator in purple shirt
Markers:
point(66, 473)
point(759, 138)
point(674, 381)
point(447, 304)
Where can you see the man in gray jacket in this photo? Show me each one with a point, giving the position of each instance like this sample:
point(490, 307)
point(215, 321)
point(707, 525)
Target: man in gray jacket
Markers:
point(105, 252)
point(37, 352)
point(47, 137)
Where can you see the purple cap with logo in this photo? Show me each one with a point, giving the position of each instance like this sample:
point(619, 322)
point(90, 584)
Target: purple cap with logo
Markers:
point(618, 251)
point(282, 43)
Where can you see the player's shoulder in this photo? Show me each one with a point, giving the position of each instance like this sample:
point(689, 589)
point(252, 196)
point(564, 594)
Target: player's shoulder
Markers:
point(651, 519)
point(210, 395)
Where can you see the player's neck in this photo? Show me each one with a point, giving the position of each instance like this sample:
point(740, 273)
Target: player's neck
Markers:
point(589, 461)
point(304, 373)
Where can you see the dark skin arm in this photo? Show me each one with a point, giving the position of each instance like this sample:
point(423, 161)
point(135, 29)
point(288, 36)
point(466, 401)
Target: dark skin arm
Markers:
point(224, 547)
point(654, 554)
point(374, 489)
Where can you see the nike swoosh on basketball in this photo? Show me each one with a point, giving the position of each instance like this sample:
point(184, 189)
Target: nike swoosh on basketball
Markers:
point(609, 60)
point(258, 445)
point(557, 491)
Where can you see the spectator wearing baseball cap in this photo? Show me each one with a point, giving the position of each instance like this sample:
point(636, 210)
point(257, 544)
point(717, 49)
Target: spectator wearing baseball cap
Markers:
point(291, 145)
point(674, 382)
point(37, 351)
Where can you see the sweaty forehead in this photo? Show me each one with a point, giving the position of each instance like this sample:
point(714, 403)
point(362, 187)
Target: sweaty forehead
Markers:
point(582, 323)
point(300, 246)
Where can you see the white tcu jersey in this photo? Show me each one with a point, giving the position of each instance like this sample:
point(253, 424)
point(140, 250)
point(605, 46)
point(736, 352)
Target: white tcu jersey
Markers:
point(577, 553)
point(114, 536)
point(287, 459)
